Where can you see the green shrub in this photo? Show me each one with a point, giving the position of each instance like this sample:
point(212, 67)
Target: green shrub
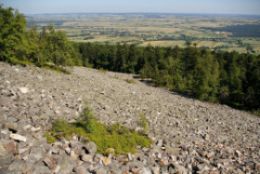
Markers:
point(49, 137)
point(116, 136)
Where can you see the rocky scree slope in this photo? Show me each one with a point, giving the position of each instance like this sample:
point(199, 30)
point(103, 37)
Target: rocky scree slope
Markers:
point(189, 136)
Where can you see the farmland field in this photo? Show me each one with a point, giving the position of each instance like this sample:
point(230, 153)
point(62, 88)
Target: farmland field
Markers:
point(218, 32)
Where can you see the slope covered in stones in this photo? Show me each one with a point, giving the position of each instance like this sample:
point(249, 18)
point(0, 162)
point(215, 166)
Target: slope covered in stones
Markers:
point(190, 136)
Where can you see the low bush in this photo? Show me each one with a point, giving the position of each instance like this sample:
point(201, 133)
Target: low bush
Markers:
point(116, 136)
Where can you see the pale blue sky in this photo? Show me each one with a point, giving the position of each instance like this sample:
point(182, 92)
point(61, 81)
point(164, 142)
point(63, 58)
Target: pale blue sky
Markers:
point(120, 6)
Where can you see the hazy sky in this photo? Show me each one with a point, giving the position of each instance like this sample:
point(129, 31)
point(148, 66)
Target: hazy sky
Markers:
point(170, 6)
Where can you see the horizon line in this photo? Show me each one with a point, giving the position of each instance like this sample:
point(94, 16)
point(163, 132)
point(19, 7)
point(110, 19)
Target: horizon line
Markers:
point(169, 13)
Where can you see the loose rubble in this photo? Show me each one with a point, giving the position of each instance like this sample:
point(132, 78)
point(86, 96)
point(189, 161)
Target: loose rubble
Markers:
point(190, 137)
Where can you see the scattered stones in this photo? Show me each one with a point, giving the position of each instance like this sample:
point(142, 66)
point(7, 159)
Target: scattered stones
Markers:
point(189, 136)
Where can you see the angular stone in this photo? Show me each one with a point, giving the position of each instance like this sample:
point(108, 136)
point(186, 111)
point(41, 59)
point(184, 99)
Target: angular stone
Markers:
point(67, 150)
point(11, 147)
point(101, 171)
point(179, 169)
point(18, 165)
point(3, 150)
point(87, 158)
point(159, 143)
point(39, 166)
point(57, 169)
point(35, 129)
point(90, 148)
point(18, 137)
point(5, 101)
point(238, 153)
point(5, 156)
point(156, 170)
point(24, 90)
point(36, 154)
point(106, 161)
point(50, 162)
point(129, 155)
point(73, 155)
point(81, 170)
point(145, 170)
point(5, 132)
point(66, 164)
point(11, 127)
point(164, 162)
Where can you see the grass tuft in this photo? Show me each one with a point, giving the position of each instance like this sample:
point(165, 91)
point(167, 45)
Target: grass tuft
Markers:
point(116, 137)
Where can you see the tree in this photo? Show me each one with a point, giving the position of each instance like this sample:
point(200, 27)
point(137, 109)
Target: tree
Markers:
point(206, 77)
point(12, 35)
point(56, 49)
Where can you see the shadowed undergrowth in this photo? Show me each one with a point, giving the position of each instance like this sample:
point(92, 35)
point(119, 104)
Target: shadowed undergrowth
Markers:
point(116, 136)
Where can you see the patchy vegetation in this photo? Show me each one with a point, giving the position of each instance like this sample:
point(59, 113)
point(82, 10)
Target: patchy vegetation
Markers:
point(116, 136)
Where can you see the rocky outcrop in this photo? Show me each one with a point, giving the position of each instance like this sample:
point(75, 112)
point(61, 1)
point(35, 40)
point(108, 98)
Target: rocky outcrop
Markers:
point(189, 136)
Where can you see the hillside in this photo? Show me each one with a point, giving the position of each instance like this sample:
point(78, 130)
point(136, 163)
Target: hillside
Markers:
point(189, 136)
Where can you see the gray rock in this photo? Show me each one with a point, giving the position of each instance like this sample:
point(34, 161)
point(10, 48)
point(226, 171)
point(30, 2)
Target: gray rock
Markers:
point(156, 170)
point(66, 164)
point(81, 170)
point(18, 137)
point(176, 168)
point(18, 165)
point(90, 148)
point(36, 154)
point(50, 162)
point(5, 157)
point(24, 90)
point(87, 158)
point(39, 167)
point(159, 143)
point(101, 170)
point(145, 170)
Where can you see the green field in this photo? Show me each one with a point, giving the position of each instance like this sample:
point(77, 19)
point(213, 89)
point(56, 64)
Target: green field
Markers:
point(158, 29)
